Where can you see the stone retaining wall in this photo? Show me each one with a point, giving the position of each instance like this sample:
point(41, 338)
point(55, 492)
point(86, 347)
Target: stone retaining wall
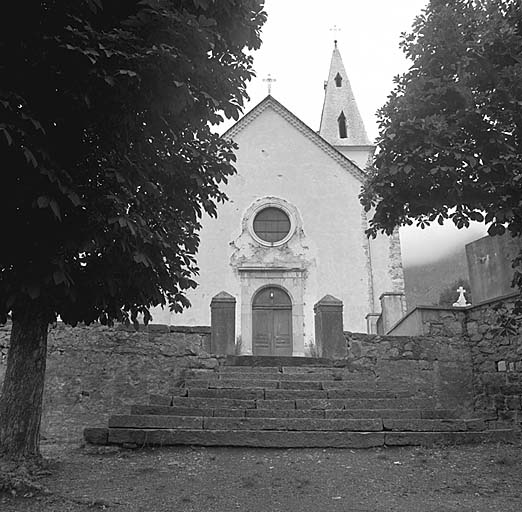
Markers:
point(497, 360)
point(427, 365)
point(96, 371)
point(431, 321)
point(495, 349)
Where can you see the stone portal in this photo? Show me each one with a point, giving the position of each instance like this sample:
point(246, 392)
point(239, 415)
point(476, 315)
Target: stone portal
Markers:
point(272, 323)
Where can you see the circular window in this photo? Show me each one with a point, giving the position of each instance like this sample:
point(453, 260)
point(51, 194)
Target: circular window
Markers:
point(271, 225)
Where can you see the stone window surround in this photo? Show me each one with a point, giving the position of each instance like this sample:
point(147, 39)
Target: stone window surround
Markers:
point(273, 202)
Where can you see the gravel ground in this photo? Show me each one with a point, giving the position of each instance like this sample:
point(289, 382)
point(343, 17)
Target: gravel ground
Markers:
point(484, 478)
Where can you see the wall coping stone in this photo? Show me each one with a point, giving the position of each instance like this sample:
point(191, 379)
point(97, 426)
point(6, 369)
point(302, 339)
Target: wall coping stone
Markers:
point(403, 337)
point(451, 309)
point(387, 294)
point(329, 300)
point(223, 297)
point(188, 329)
point(153, 328)
point(501, 298)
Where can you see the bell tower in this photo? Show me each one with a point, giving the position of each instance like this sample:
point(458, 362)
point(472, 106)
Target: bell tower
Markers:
point(341, 123)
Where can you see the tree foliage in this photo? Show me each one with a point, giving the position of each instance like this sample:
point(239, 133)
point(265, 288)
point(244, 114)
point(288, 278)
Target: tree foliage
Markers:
point(107, 157)
point(450, 133)
point(108, 164)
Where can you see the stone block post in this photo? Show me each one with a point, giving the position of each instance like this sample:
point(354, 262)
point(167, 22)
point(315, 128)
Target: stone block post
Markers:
point(371, 323)
point(329, 334)
point(223, 324)
point(393, 309)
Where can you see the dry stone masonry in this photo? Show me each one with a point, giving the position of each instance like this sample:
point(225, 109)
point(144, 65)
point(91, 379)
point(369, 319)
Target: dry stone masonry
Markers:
point(94, 371)
point(497, 361)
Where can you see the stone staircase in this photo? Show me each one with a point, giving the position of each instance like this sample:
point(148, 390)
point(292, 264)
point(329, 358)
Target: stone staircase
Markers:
point(291, 402)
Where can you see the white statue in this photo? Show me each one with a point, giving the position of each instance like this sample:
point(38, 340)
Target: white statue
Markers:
point(461, 301)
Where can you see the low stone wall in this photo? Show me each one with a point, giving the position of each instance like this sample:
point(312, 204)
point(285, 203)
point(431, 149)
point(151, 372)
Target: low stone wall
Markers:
point(426, 365)
point(95, 371)
point(431, 321)
point(497, 360)
point(495, 350)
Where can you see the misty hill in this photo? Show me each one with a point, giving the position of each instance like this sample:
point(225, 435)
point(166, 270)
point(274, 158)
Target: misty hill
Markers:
point(425, 282)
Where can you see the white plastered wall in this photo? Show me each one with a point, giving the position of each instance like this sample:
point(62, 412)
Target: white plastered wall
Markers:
point(328, 253)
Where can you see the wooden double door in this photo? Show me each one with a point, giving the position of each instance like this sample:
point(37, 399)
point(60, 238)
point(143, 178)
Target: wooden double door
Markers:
point(272, 323)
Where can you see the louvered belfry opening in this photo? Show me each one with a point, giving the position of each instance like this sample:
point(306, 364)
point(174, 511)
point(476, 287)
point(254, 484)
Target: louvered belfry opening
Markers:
point(342, 125)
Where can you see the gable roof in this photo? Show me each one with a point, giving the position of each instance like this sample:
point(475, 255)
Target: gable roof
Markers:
point(270, 102)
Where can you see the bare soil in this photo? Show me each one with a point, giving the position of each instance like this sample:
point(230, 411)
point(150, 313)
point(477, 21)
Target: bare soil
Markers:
point(482, 478)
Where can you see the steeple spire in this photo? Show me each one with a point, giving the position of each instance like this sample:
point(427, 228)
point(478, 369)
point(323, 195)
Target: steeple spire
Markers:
point(341, 122)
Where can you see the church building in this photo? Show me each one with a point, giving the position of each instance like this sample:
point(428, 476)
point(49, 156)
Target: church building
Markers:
point(293, 230)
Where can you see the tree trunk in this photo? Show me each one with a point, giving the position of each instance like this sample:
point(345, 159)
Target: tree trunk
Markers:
point(22, 391)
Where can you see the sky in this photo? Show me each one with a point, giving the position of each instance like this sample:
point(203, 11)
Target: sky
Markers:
point(298, 39)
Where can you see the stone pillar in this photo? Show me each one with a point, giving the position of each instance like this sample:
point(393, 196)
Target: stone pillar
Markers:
point(223, 324)
point(371, 322)
point(392, 306)
point(329, 334)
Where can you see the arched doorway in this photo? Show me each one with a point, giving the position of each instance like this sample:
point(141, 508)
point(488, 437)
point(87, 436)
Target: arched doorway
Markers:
point(272, 323)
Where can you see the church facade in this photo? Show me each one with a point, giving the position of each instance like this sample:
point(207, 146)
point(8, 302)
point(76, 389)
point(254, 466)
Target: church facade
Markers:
point(293, 229)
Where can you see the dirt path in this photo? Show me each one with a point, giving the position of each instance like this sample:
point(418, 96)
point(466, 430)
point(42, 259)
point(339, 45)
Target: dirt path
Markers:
point(482, 478)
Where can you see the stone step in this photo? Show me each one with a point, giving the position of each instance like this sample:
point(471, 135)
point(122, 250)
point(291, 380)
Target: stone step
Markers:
point(299, 403)
point(353, 389)
point(416, 414)
point(358, 403)
point(216, 423)
point(335, 376)
point(335, 372)
point(425, 425)
point(288, 423)
point(293, 424)
point(297, 413)
point(287, 439)
point(241, 394)
point(232, 383)
point(280, 361)
point(213, 402)
point(249, 369)
point(155, 421)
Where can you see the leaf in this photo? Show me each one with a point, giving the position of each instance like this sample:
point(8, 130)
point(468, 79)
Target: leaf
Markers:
point(127, 72)
point(74, 198)
point(139, 257)
point(56, 209)
point(476, 216)
point(59, 277)
point(30, 157)
point(33, 291)
point(7, 136)
point(201, 4)
point(43, 202)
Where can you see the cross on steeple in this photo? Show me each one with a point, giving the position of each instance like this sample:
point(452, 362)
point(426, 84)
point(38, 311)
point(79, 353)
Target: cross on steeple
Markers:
point(335, 29)
point(269, 80)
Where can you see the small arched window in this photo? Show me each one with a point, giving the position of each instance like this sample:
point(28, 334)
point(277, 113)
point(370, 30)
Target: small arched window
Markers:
point(338, 80)
point(341, 120)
